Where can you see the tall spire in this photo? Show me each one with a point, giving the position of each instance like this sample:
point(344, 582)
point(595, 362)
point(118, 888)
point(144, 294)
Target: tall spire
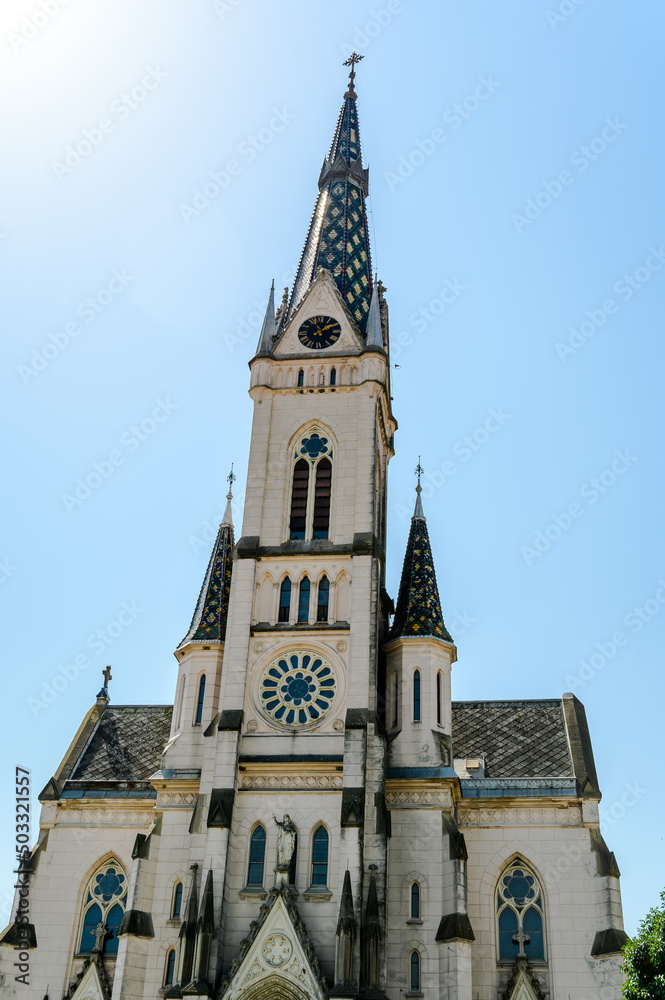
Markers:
point(338, 237)
point(418, 611)
point(208, 623)
point(268, 329)
point(374, 328)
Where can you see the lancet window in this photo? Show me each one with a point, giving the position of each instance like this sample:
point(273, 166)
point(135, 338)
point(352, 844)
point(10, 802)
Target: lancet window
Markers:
point(520, 914)
point(104, 902)
point(311, 488)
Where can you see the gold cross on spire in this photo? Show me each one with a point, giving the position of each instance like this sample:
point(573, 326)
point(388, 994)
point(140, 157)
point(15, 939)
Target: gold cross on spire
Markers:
point(351, 61)
point(418, 471)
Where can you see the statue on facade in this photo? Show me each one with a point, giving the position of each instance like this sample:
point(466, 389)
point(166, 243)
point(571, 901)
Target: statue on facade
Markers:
point(286, 841)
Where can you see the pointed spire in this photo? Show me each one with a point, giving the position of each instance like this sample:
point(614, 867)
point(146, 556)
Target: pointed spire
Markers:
point(268, 329)
point(346, 935)
point(371, 934)
point(338, 237)
point(205, 927)
point(374, 328)
point(418, 611)
point(208, 623)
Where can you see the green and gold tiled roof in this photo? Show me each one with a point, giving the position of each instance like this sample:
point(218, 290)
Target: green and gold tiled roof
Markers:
point(338, 237)
point(212, 608)
point(418, 610)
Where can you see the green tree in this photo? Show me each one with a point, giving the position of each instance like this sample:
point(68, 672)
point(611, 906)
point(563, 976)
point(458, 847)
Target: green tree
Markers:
point(644, 958)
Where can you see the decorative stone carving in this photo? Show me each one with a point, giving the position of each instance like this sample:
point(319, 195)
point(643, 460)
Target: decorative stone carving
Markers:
point(293, 782)
point(516, 816)
point(277, 950)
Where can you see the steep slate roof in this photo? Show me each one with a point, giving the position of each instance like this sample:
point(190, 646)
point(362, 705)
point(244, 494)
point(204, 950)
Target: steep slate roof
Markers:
point(338, 236)
point(519, 739)
point(208, 623)
point(418, 609)
point(126, 745)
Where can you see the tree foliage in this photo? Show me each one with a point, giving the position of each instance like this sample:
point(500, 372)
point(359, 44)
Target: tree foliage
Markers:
point(644, 958)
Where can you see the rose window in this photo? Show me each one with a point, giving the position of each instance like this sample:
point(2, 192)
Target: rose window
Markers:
point(108, 884)
point(298, 689)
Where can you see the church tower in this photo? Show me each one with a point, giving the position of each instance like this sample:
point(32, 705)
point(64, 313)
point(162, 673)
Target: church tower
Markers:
point(314, 817)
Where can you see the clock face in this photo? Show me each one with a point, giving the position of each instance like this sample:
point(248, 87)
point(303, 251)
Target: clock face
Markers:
point(318, 332)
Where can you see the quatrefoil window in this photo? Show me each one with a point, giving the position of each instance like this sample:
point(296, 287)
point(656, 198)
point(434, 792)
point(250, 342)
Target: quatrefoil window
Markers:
point(298, 689)
point(313, 446)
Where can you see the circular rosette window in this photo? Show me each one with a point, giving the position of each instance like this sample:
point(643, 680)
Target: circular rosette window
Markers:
point(298, 689)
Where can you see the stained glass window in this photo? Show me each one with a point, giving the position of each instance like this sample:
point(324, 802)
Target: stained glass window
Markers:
point(415, 970)
point(170, 968)
point(301, 378)
point(257, 856)
point(284, 601)
point(333, 376)
point(520, 914)
point(200, 700)
point(303, 600)
point(416, 696)
point(322, 600)
point(438, 698)
point(104, 902)
point(177, 900)
point(415, 901)
point(320, 856)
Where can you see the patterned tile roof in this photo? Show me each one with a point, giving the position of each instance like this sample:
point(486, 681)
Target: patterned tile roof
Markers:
point(418, 609)
point(209, 620)
point(126, 744)
point(338, 237)
point(519, 739)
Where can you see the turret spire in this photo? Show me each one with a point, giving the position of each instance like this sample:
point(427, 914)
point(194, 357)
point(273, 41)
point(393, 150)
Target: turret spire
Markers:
point(338, 237)
point(208, 623)
point(418, 611)
point(268, 329)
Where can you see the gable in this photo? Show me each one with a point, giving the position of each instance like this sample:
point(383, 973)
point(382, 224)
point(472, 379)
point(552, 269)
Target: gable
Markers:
point(322, 299)
point(276, 965)
point(91, 985)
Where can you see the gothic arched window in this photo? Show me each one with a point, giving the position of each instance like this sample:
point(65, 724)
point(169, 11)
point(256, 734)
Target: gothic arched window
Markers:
point(169, 969)
point(438, 698)
point(415, 901)
point(299, 492)
point(177, 900)
point(310, 508)
point(322, 601)
point(303, 600)
point(321, 520)
point(257, 857)
point(414, 978)
point(284, 601)
point(320, 842)
point(104, 901)
point(416, 696)
point(520, 914)
point(333, 376)
point(301, 378)
point(199, 701)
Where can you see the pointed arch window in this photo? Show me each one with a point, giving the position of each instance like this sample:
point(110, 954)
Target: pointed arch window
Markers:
point(416, 696)
point(333, 376)
point(320, 843)
point(177, 900)
point(303, 600)
point(104, 901)
point(321, 521)
point(284, 612)
point(415, 901)
point(257, 857)
point(301, 379)
point(299, 498)
point(414, 971)
point(323, 598)
point(169, 968)
point(199, 701)
point(520, 915)
point(438, 698)
point(284, 601)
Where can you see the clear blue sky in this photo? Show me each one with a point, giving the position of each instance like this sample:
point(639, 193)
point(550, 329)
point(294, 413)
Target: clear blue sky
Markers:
point(498, 226)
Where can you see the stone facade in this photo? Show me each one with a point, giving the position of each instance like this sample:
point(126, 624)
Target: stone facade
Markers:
point(444, 850)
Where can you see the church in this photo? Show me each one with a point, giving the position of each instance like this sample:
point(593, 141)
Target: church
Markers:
point(315, 817)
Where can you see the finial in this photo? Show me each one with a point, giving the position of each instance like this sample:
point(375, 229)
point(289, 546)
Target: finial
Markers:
point(351, 61)
point(419, 471)
point(228, 513)
point(103, 693)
